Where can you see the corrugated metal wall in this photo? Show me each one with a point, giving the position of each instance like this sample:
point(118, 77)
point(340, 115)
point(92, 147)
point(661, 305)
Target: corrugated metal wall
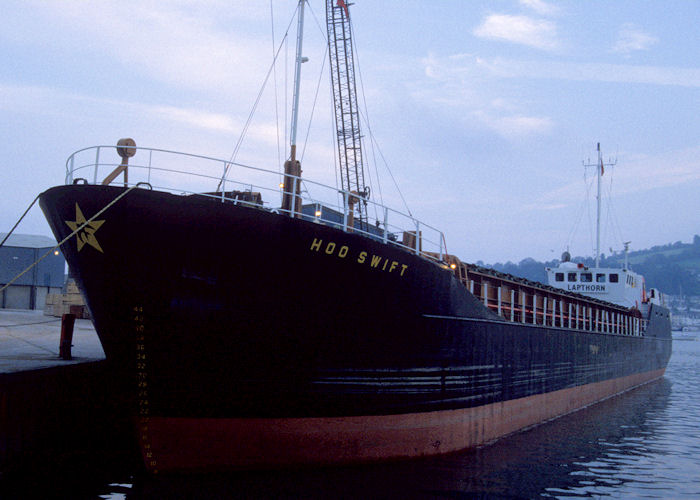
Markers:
point(29, 291)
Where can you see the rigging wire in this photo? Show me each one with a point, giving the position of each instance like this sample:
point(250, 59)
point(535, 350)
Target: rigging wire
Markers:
point(583, 206)
point(610, 219)
point(286, 89)
point(254, 108)
point(389, 170)
point(373, 142)
point(318, 23)
point(318, 84)
point(315, 101)
point(612, 214)
point(311, 117)
point(274, 79)
point(591, 233)
point(366, 119)
point(374, 146)
point(334, 142)
point(313, 106)
point(577, 221)
point(611, 208)
point(334, 136)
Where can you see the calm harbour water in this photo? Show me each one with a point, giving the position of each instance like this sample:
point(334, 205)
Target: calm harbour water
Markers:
point(642, 444)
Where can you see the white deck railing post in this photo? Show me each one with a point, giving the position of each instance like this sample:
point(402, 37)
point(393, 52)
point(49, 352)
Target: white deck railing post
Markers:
point(386, 224)
point(418, 242)
point(345, 211)
point(69, 177)
point(97, 165)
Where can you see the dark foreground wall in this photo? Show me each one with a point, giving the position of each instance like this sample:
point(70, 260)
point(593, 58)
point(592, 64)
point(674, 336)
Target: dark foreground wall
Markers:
point(56, 415)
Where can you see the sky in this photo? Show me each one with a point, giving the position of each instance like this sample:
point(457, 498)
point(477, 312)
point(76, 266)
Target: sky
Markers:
point(482, 112)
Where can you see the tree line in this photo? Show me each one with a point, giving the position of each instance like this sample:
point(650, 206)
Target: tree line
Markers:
point(673, 268)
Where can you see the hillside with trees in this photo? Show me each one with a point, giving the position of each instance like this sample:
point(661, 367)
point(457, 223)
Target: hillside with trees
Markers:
point(674, 268)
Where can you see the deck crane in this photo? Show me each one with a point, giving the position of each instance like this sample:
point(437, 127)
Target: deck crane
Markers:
point(347, 114)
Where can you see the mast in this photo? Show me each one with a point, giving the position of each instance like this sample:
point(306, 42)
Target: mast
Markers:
point(297, 79)
point(347, 114)
point(600, 169)
point(291, 199)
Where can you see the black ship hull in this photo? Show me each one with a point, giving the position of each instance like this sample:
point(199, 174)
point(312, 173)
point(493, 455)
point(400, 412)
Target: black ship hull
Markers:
point(251, 338)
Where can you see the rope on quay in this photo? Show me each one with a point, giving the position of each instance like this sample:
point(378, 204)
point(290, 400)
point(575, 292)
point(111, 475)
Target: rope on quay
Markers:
point(34, 323)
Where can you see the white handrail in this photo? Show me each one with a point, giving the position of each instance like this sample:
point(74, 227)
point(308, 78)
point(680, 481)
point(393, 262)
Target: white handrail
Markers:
point(187, 174)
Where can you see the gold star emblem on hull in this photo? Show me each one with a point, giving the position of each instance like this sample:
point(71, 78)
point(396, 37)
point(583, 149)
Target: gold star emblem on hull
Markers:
point(87, 234)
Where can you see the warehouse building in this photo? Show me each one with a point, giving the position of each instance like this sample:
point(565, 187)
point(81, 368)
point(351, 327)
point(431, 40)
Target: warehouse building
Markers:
point(29, 291)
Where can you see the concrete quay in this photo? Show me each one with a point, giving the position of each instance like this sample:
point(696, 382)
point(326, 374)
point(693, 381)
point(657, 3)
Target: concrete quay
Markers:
point(30, 341)
point(53, 410)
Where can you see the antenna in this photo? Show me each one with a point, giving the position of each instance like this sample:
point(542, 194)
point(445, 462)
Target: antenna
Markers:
point(627, 247)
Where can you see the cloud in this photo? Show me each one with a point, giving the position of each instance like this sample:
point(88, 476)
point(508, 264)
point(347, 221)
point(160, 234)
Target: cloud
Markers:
point(461, 83)
point(542, 8)
point(195, 118)
point(564, 70)
point(41, 99)
point(524, 30)
point(514, 126)
point(630, 39)
point(184, 45)
point(469, 87)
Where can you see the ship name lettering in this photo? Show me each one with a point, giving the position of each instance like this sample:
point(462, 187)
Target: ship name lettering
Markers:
point(375, 261)
point(316, 244)
point(586, 288)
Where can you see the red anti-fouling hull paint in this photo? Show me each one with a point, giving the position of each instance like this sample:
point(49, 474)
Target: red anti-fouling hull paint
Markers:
point(186, 443)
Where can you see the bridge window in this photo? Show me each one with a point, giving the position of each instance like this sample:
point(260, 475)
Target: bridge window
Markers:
point(613, 278)
point(586, 277)
point(600, 277)
point(559, 276)
point(571, 277)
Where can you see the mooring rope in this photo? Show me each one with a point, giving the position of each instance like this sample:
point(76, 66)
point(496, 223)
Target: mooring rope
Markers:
point(70, 235)
point(29, 324)
point(20, 220)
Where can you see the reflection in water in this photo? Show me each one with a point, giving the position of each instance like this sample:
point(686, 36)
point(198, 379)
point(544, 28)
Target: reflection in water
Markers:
point(642, 443)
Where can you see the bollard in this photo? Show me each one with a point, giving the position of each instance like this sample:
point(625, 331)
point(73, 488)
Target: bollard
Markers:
point(67, 323)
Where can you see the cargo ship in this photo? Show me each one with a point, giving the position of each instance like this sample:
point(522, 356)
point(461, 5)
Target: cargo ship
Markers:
point(260, 319)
